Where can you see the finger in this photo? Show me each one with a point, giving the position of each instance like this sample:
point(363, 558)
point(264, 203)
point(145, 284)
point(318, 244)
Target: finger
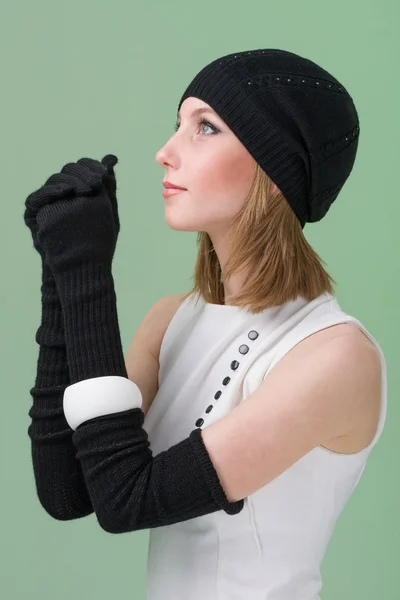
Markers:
point(92, 165)
point(109, 161)
point(91, 180)
point(61, 178)
point(46, 195)
point(114, 206)
point(77, 185)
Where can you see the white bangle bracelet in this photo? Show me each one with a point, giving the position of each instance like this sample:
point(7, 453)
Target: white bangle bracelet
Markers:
point(98, 396)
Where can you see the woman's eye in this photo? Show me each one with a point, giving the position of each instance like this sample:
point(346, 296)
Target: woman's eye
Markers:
point(201, 122)
point(207, 124)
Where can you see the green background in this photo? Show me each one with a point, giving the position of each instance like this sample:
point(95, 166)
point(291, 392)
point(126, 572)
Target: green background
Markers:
point(90, 78)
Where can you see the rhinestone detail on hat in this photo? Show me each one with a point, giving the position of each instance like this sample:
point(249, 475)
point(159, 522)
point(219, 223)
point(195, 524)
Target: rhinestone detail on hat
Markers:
point(336, 145)
point(283, 79)
point(243, 349)
point(232, 57)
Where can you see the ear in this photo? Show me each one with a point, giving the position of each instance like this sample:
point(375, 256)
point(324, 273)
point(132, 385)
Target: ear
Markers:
point(274, 189)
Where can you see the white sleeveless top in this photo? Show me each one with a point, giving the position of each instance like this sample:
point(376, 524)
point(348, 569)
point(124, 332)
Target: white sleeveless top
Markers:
point(273, 548)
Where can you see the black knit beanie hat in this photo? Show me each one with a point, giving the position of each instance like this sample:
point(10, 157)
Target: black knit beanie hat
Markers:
point(296, 120)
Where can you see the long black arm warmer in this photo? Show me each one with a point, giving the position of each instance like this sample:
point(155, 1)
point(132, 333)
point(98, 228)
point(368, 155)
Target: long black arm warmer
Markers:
point(59, 480)
point(129, 488)
point(132, 490)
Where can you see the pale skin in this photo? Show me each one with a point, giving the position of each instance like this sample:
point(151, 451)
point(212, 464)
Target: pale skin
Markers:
point(298, 406)
point(216, 170)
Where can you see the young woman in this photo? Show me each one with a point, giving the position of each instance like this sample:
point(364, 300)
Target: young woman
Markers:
point(245, 411)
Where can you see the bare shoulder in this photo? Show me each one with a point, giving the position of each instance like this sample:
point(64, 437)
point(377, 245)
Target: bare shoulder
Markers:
point(356, 350)
point(349, 333)
point(362, 359)
point(156, 321)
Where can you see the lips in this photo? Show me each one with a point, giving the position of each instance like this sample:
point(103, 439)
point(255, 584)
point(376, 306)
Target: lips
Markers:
point(170, 186)
point(172, 192)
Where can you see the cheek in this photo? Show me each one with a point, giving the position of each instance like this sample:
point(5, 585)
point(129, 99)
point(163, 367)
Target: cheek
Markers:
point(226, 175)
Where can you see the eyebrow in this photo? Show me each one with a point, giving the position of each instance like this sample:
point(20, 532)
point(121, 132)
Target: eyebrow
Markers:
point(198, 111)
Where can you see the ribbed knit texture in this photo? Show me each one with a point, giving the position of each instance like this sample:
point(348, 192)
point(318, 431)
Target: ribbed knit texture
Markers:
point(74, 222)
point(58, 473)
point(92, 334)
point(132, 490)
point(129, 488)
point(297, 121)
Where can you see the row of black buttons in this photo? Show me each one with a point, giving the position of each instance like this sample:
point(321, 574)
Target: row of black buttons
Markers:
point(243, 349)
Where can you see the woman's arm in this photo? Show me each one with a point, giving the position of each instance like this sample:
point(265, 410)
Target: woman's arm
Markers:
point(130, 488)
point(59, 480)
point(142, 358)
point(60, 483)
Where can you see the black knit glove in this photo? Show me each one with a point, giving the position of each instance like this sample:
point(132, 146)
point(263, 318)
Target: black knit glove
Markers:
point(78, 226)
point(58, 475)
point(75, 217)
point(74, 177)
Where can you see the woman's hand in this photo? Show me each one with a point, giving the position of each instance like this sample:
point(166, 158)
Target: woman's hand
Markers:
point(76, 214)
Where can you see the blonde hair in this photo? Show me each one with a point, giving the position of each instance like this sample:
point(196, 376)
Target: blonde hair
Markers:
point(266, 238)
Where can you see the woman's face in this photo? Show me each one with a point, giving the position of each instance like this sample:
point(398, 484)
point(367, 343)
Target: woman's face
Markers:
point(213, 166)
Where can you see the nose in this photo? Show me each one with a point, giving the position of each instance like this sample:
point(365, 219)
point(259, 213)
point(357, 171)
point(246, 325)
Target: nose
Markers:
point(163, 154)
point(160, 157)
point(166, 154)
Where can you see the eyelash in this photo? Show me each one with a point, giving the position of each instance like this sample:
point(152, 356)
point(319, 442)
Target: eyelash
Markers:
point(200, 122)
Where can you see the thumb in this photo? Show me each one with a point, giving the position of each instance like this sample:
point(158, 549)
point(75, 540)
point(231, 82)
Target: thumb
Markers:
point(109, 161)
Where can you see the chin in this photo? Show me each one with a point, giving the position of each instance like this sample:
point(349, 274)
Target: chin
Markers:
point(180, 226)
